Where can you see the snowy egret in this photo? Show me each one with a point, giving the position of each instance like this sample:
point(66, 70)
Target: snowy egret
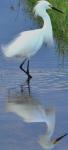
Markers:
point(30, 110)
point(29, 42)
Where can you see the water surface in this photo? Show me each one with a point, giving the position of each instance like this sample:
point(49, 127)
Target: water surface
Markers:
point(48, 86)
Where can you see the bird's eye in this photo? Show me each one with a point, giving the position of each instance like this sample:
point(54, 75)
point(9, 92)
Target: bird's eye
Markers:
point(50, 5)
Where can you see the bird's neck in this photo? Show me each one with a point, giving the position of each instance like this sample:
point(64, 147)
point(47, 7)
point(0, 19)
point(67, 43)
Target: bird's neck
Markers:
point(47, 22)
point(47, 30)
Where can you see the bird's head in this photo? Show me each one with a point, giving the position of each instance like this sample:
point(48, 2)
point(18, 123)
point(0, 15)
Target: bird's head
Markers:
point(41, 7)
point(50, 144)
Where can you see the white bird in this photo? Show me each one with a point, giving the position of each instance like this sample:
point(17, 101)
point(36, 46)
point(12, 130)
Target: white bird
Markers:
point(30, 110)
point(29, 42)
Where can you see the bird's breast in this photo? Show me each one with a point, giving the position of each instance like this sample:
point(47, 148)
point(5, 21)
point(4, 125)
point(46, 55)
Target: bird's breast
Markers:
point(32, 47)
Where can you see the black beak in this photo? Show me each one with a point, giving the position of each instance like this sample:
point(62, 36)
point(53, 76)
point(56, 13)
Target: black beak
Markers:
point(57, 9)
point(59, 138)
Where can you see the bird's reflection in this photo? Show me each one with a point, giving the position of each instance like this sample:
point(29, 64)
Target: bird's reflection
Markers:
point(30, 110)
point(26, 83)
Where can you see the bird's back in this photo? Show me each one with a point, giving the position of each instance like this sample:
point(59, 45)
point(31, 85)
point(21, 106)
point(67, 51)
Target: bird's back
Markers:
point(25, 45)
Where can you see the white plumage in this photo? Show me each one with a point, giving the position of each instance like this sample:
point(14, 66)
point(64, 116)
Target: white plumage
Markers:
point(29, 42)
point(23, 45)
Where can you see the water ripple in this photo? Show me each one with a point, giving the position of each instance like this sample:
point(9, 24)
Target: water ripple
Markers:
point(42, 80)
point(50, 80)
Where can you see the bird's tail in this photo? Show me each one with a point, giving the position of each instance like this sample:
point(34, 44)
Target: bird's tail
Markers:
point(6, 51)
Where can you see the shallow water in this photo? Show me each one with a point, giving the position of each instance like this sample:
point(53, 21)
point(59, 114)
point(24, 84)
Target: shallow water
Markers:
point(48, 87)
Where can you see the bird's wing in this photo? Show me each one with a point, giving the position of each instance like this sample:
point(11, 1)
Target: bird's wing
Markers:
point(24, 42)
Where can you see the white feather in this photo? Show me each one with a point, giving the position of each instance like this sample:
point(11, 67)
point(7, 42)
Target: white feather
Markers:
point(29, 42)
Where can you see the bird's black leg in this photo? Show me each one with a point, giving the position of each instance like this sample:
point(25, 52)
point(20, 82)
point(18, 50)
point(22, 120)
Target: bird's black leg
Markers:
point(27, 72)
point(29, 76)
point(28, 67)
point(21, 66)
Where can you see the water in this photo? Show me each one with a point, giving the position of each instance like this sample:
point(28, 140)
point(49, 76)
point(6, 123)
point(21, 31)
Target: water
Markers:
point(48, 87)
